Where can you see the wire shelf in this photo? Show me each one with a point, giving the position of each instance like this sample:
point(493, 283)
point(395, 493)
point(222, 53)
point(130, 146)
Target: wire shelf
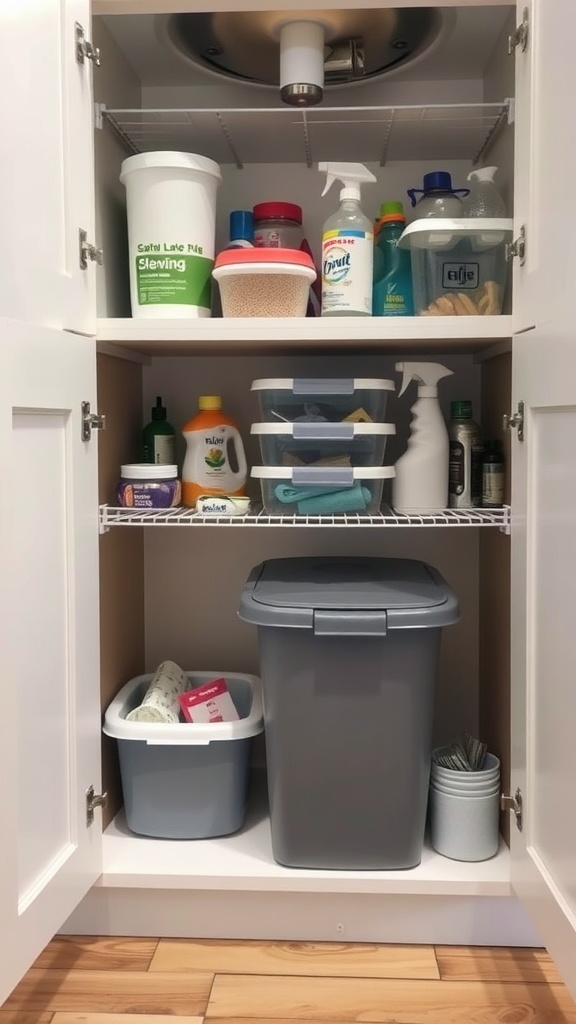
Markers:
point(283, 134)
point(474, 517)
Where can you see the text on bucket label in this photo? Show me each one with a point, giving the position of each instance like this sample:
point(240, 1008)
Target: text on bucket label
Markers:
point(182, 278)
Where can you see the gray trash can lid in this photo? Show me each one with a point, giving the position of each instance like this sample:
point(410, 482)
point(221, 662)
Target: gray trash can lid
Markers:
point(288, 591)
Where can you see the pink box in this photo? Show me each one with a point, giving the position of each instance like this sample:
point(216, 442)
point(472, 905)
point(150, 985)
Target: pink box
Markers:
point(210, 702)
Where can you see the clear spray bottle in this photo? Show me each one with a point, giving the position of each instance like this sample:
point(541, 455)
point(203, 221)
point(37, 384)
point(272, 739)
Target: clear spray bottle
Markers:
point(347, 246)
point(421, 481)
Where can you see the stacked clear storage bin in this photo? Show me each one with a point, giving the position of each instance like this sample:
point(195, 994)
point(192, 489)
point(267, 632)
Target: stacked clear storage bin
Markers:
point(323, 443)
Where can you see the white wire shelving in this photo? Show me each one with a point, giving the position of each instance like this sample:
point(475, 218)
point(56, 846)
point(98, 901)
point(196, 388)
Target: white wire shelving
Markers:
point(455, 131)
point(111, 516)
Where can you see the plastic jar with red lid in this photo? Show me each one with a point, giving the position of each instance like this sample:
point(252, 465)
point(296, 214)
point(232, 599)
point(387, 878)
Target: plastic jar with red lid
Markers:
point(278, 225)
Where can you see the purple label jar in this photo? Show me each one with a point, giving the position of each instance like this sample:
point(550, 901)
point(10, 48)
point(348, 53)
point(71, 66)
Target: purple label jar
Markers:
point(143, 485)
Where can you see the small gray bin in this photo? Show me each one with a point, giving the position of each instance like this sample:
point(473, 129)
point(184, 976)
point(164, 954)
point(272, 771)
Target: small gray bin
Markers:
point(183, 780)
point(348, 660)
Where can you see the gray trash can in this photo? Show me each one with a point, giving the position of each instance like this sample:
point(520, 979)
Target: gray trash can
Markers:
point(348, 661)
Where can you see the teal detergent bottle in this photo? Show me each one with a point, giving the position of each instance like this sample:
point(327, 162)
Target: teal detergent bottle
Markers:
point(392, 287)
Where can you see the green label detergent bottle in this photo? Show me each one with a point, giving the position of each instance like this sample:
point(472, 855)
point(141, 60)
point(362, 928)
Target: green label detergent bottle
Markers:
point(215, 462)
point(392, 290)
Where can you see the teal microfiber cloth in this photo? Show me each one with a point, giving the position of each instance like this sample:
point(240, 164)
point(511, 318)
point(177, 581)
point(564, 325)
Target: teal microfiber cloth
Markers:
point(289, 495)
point(353, 499)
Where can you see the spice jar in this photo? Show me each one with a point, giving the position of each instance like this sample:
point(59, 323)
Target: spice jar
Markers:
point(143, 485)
point(278, 225)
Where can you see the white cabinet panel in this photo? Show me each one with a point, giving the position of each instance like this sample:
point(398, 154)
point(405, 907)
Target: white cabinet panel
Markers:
point(46, 170)
point(543, 637)
point(49, 732)
point(545, 161)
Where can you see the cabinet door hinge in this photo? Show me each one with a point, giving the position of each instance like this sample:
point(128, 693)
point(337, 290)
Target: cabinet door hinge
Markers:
point(88, 251)
point(521, 35)
point(84, 49)
point(515, 421)
point(91, 421)
point(514, 803)
point(517, 247)
point(94, 800)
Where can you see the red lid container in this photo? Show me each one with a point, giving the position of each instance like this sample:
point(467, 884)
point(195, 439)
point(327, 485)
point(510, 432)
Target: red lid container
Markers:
point(232, 257)
point(277, 211)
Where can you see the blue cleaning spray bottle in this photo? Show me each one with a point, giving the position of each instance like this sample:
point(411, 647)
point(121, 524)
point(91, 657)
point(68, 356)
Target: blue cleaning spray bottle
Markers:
point(392, 288)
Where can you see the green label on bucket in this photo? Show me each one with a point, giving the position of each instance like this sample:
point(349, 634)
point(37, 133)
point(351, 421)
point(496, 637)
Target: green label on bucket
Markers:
point(183, 279)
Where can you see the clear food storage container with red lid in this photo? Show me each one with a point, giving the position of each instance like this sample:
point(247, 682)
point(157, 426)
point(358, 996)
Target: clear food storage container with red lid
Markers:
point(264, 282)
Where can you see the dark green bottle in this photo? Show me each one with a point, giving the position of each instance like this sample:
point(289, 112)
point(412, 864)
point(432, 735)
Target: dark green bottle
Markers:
point(158, 438)
point(493, 475)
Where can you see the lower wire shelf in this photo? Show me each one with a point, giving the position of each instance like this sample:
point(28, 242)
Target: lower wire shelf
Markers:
point(111, 516)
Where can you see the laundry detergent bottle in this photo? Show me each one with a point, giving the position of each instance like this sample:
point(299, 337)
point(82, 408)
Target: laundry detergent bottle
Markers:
point(392, 289)
point(215, 462)
point(421, 481)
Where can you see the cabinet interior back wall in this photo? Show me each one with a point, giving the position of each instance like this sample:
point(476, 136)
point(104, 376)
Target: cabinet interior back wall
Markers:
point(180, 588)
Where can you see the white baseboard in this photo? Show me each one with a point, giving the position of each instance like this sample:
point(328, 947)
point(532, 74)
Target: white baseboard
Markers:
point(351, 917)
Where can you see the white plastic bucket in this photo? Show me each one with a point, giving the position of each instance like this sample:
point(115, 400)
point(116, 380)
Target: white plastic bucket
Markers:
point(171, 205)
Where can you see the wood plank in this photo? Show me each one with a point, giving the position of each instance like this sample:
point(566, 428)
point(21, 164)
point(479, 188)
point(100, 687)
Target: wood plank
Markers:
point(17, 1017)
point(97, 953)
point(496, 963)
point(388, 1002)
point(322, 959)
point(122, 1018)
point(111, 992)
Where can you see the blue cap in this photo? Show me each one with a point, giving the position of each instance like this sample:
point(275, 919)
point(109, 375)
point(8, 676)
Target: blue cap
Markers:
point(437, 180)
point(242, 225)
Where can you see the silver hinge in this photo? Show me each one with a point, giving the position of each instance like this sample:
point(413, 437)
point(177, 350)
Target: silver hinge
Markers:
point(84, 49)
point(94, 800)
point(88, 251)
point(520, 37)
point(91, 421)
point(515, 421)
point(514, 803)
point(517, 247)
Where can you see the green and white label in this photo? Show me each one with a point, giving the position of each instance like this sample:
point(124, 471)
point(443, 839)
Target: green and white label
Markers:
point(173, 273)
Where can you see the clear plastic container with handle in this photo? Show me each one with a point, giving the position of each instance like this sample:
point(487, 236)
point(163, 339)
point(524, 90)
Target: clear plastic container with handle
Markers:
point(484, 199)
point(437, 197)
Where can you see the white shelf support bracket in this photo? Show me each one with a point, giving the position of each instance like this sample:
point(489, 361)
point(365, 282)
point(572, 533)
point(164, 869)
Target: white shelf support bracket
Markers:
point(506, 525)
point(99, 109)
point(511, 104)
point(102, 520)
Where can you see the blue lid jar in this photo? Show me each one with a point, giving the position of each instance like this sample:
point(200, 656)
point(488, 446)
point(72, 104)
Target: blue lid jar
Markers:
point(437, 197)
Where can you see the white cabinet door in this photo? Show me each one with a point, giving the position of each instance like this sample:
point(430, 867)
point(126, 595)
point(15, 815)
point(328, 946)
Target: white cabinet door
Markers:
point(544, 636)
point(50, 708)
point(544, 158)
point(46, 165)
point(544, 514)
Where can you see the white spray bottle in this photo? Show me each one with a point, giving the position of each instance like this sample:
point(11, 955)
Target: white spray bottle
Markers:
point(347, 246)
point(421, 482)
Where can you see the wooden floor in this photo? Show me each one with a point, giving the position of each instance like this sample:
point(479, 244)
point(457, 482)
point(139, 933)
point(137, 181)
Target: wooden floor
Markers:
point(132, 981)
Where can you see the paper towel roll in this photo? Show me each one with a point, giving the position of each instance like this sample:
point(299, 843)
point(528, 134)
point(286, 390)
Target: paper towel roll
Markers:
point(160, 702)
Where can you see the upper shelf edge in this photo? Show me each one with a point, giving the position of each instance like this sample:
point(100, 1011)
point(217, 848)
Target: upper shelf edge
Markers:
point(224, 335)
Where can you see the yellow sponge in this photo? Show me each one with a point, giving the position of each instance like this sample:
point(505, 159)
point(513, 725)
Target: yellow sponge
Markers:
point(358, 416)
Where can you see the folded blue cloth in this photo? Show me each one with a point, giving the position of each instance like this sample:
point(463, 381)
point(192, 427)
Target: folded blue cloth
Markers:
point(288, 494)
point(319, 501)
point(352, 499)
